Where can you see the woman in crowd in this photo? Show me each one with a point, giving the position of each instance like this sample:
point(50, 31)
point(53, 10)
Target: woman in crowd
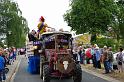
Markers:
point(98, 56)
point(93, 54)
point(120, 60)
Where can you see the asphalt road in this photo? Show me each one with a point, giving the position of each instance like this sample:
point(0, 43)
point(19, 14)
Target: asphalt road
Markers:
point(22, 75)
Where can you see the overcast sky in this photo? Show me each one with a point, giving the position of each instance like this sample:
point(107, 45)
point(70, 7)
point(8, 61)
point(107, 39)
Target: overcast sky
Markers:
point(52, 10)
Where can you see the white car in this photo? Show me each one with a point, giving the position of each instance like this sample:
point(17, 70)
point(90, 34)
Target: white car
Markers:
point(114, 58)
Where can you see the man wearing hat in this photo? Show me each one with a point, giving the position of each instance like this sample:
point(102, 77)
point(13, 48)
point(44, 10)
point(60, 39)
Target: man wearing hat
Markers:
point(2, 66)
point(105, 59)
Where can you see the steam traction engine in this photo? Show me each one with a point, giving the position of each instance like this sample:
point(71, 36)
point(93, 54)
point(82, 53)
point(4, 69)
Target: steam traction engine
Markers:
point(56, 59)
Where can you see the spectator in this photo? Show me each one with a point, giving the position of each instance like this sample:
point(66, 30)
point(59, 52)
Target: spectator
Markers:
point(4, 59)
point(88, 55)
point(82, 54)
point(78, 56)
point(110, 59)
point(120, 60)
point(93, 55)
point(105, 59)
point(75, 54)
point(11, 56)
point(6, 56)
point(14, 53)
point(2, 66)
point(98, 56)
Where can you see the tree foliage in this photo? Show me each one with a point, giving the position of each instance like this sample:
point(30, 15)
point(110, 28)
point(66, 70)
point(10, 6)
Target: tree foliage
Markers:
point(118, 25)
point(96, 16)
point(12, 24)
point(90, 15)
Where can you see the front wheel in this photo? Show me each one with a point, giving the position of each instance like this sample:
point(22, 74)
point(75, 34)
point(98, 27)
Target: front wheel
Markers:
point(41, 71)
point(77, 77)
point(41, 66)
point(46, 73)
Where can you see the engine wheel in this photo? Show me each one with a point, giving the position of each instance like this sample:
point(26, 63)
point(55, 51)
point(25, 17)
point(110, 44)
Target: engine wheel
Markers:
point(77, 77)
point(46, 73)
point(41, 71)
point(41, 67)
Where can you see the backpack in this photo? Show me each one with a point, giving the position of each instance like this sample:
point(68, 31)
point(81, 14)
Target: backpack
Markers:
point(110, 56)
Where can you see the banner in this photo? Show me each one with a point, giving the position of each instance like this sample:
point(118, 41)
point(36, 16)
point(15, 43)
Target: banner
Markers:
point(83, 39)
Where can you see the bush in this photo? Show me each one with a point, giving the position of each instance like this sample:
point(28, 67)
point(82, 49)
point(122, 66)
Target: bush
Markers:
point(109, 42)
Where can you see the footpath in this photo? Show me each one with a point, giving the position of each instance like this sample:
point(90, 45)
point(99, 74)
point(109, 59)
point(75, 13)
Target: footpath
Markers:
point(13, 68)
point(112, 77)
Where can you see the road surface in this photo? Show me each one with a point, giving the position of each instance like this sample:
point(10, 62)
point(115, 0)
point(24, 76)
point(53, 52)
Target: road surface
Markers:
point(22, 75)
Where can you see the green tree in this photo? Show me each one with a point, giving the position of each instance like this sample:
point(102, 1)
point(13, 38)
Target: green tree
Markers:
point(120, 18)
point(118, 24)
point(92, 16)
point(12, 24)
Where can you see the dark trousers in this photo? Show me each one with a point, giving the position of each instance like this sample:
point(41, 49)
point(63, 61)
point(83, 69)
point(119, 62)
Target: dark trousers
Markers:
point(98, 64)
point(94, 60)
point(2, 75)
point(106, 63)
point(75, 56)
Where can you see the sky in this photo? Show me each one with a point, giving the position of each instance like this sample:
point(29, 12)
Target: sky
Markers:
point(51, 10)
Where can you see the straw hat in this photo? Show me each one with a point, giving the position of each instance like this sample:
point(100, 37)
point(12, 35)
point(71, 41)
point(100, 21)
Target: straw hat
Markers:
point(105, 47)
point(97, 48)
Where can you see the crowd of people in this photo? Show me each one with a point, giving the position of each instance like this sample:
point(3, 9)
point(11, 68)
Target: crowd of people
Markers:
point(7, 57)
point(97, 56)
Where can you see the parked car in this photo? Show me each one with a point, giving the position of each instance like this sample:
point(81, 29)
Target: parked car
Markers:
point(114, 58)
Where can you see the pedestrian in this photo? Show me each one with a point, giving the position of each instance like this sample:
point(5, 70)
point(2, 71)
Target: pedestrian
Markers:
point(81, 54)
point(105, 59)
point(88, 54)
point(11, 56)
point(14, 53)
point(75, 54)
point(5, 56)
point(2, 66)
point(78, 56)
point(98, 57)
point(93, 54)
point(120, 60)
point(110, 59)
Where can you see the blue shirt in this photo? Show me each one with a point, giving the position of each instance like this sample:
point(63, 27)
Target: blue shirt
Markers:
point(98, 55)
point(2, 63)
